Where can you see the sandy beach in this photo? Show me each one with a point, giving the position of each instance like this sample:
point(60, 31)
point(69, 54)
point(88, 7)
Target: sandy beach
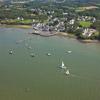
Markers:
point(89, 41)
point(16, 26)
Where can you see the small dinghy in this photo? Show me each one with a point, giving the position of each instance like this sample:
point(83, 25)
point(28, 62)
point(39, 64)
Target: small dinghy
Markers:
point(69, 51)
point(10, 51)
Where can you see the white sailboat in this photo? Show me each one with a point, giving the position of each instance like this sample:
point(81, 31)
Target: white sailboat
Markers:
point(67, 72)
point(63, 65)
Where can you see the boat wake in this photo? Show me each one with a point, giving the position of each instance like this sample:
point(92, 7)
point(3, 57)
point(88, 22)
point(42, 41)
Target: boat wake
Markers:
point(66, 70)
point(85, 78)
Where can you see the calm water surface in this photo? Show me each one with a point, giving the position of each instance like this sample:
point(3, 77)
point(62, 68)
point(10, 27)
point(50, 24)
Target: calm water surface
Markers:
point(39, 78)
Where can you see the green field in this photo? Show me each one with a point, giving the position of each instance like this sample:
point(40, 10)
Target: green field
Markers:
point(26, 21)
point(15, 21)
point(85, 23)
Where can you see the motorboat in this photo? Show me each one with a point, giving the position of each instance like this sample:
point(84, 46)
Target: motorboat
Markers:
point(48, 54)
point(69, 51)
point(32, 55)
point(10, 52)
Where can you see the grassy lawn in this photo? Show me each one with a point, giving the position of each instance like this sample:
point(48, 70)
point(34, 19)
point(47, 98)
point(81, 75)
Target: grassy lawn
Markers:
point(97, 33)
point(25, 21)
point(80, 9)
point(15, 21)
point(85, 23)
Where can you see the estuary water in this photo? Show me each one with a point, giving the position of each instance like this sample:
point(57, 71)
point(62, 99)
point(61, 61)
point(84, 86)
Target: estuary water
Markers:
point(23, 77)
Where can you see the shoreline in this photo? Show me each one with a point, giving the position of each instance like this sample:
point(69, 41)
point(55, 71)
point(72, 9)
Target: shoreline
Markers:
point(80, 40)
point(16, 26)
point(64, 34)
point(89, 41)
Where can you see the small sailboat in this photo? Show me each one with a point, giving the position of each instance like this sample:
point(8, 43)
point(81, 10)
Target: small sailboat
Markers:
point(67, 72)
point(63, 65)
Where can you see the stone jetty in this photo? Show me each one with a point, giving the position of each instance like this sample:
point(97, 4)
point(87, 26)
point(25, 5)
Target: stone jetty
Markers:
point(44, 33)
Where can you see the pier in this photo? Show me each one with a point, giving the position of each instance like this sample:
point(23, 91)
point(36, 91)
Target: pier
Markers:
point(44, 33)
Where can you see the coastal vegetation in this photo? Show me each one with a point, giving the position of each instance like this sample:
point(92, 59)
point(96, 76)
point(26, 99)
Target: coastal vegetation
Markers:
point(85, 23)
point(80, 19)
